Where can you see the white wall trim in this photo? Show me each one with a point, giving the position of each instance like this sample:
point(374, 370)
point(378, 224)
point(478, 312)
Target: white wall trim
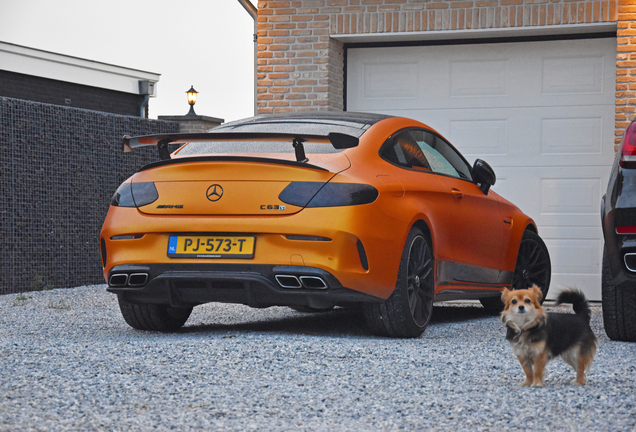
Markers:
point(507, 32)
point(45, 64)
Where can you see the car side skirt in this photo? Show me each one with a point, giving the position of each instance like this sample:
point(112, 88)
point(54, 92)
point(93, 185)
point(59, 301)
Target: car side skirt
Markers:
point(465, 281)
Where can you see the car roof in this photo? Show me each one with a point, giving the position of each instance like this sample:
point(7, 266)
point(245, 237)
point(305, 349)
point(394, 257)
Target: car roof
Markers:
point(310, 123)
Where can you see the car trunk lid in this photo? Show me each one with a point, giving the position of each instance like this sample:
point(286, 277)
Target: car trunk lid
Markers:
point(238, 185)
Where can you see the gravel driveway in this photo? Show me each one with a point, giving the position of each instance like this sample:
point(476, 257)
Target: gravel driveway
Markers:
point(69, 362)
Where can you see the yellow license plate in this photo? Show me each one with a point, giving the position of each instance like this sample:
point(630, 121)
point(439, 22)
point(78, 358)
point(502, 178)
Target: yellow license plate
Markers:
point(185, 246)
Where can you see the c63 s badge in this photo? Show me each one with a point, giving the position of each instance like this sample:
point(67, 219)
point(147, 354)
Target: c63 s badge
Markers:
point(272, 207)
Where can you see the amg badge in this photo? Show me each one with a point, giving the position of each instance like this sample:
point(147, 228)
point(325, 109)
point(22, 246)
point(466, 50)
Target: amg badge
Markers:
point(170, 206)
point(272, 207)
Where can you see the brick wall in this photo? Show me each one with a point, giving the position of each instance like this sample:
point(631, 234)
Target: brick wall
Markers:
point(625, 67)
point(300, 67)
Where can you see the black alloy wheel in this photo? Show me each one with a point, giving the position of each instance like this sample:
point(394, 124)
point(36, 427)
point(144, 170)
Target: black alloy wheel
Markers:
point(532, 268)
point(533, 264)
point(408, 310)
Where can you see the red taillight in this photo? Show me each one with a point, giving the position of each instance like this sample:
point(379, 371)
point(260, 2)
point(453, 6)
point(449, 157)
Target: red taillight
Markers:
point(628, 148)
point(626, 230)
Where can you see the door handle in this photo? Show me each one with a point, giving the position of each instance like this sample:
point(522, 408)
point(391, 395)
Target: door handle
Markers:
point(456, 193)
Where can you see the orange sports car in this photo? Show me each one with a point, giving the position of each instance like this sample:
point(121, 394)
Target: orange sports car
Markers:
point(311, 211)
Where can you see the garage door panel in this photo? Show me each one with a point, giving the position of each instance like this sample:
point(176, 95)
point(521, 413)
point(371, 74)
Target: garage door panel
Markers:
point(525, 74)
point(572, 136)
point(575, 264)
point(540, 113)
point(485, 79)
point(574, 256)
point(570, 197)
point(390, 80)
point(573, 75)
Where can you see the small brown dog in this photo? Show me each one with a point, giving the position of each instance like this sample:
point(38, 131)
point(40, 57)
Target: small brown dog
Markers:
point(537, 337)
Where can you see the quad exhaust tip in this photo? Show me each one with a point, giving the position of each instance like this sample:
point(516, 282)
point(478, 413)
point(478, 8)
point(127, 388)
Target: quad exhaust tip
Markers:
point(138, 279)
point(297, 282)
point(131, 280)
point(313, 282)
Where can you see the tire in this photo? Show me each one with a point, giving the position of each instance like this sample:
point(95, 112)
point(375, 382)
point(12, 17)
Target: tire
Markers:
point(532, 267)
point(407, 312)
point(619, 304)
point(153, 317)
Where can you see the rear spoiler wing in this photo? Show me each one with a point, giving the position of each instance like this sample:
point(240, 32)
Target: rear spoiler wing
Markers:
point(338, 140)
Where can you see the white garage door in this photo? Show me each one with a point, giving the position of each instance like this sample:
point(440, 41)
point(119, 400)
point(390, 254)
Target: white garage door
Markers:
point(541, 113)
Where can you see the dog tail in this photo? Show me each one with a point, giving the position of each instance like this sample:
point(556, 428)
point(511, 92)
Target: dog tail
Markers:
point(578, 301)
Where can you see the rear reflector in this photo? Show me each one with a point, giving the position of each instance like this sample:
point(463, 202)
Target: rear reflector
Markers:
point(626, 230)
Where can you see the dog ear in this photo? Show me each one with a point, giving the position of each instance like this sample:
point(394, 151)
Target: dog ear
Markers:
point(504, 295)
point(537, 292)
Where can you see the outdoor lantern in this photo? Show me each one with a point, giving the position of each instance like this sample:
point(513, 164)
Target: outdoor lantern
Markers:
point(192, 99)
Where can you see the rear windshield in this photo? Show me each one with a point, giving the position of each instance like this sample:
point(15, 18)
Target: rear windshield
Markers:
point(252, 147)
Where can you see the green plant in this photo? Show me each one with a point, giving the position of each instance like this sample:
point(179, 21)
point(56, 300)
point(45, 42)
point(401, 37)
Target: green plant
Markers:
point(59, 305)
point(20, 300)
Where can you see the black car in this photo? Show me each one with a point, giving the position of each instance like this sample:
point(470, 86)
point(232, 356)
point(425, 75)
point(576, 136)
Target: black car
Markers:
point(618, 214)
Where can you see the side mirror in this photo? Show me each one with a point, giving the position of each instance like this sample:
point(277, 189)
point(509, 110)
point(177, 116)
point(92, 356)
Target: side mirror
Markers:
point(484, 175)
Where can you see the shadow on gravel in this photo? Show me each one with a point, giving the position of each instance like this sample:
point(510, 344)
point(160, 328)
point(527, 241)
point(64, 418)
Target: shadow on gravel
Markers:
point(338, 322)
point(453, 313)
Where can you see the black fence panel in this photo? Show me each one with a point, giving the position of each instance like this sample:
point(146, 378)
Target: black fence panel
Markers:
point(59, 168)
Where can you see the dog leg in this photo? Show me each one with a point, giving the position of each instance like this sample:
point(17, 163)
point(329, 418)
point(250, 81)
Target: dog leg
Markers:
point(580, 373)
point(527, 368)
point(539, 365)
point(585, 361)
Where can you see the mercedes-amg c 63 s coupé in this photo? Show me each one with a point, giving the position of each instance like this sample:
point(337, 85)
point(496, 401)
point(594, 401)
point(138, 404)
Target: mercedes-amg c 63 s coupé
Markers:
point(311, 211)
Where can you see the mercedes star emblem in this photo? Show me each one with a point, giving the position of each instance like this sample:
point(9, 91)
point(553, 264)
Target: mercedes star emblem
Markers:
point(214, 192)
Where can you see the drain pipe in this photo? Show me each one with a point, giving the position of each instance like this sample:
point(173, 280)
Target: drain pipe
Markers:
point(251, 9)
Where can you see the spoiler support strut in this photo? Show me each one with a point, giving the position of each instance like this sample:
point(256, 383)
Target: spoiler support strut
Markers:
point(299, 149)
point(164, 150)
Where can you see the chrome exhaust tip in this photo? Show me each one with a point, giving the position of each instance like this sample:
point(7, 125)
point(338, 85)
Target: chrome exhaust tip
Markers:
point(118, 280)
point(288, 281)
point(137, 279)
point(313, 282)
point(630, 261)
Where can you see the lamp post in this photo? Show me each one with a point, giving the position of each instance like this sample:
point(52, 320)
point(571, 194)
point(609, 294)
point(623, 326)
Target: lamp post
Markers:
point(192, 99)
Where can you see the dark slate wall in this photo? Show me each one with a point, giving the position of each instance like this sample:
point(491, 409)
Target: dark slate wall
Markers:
point(20, 86)
point(59, 168)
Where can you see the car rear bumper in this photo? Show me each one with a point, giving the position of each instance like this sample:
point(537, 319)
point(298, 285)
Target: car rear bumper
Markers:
point(346, 244)
point(620, 249)
point(253, 285)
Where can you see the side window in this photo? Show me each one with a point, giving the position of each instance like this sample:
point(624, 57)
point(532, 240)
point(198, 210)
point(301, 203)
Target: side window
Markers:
point(424, 150)
point(404, 150)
